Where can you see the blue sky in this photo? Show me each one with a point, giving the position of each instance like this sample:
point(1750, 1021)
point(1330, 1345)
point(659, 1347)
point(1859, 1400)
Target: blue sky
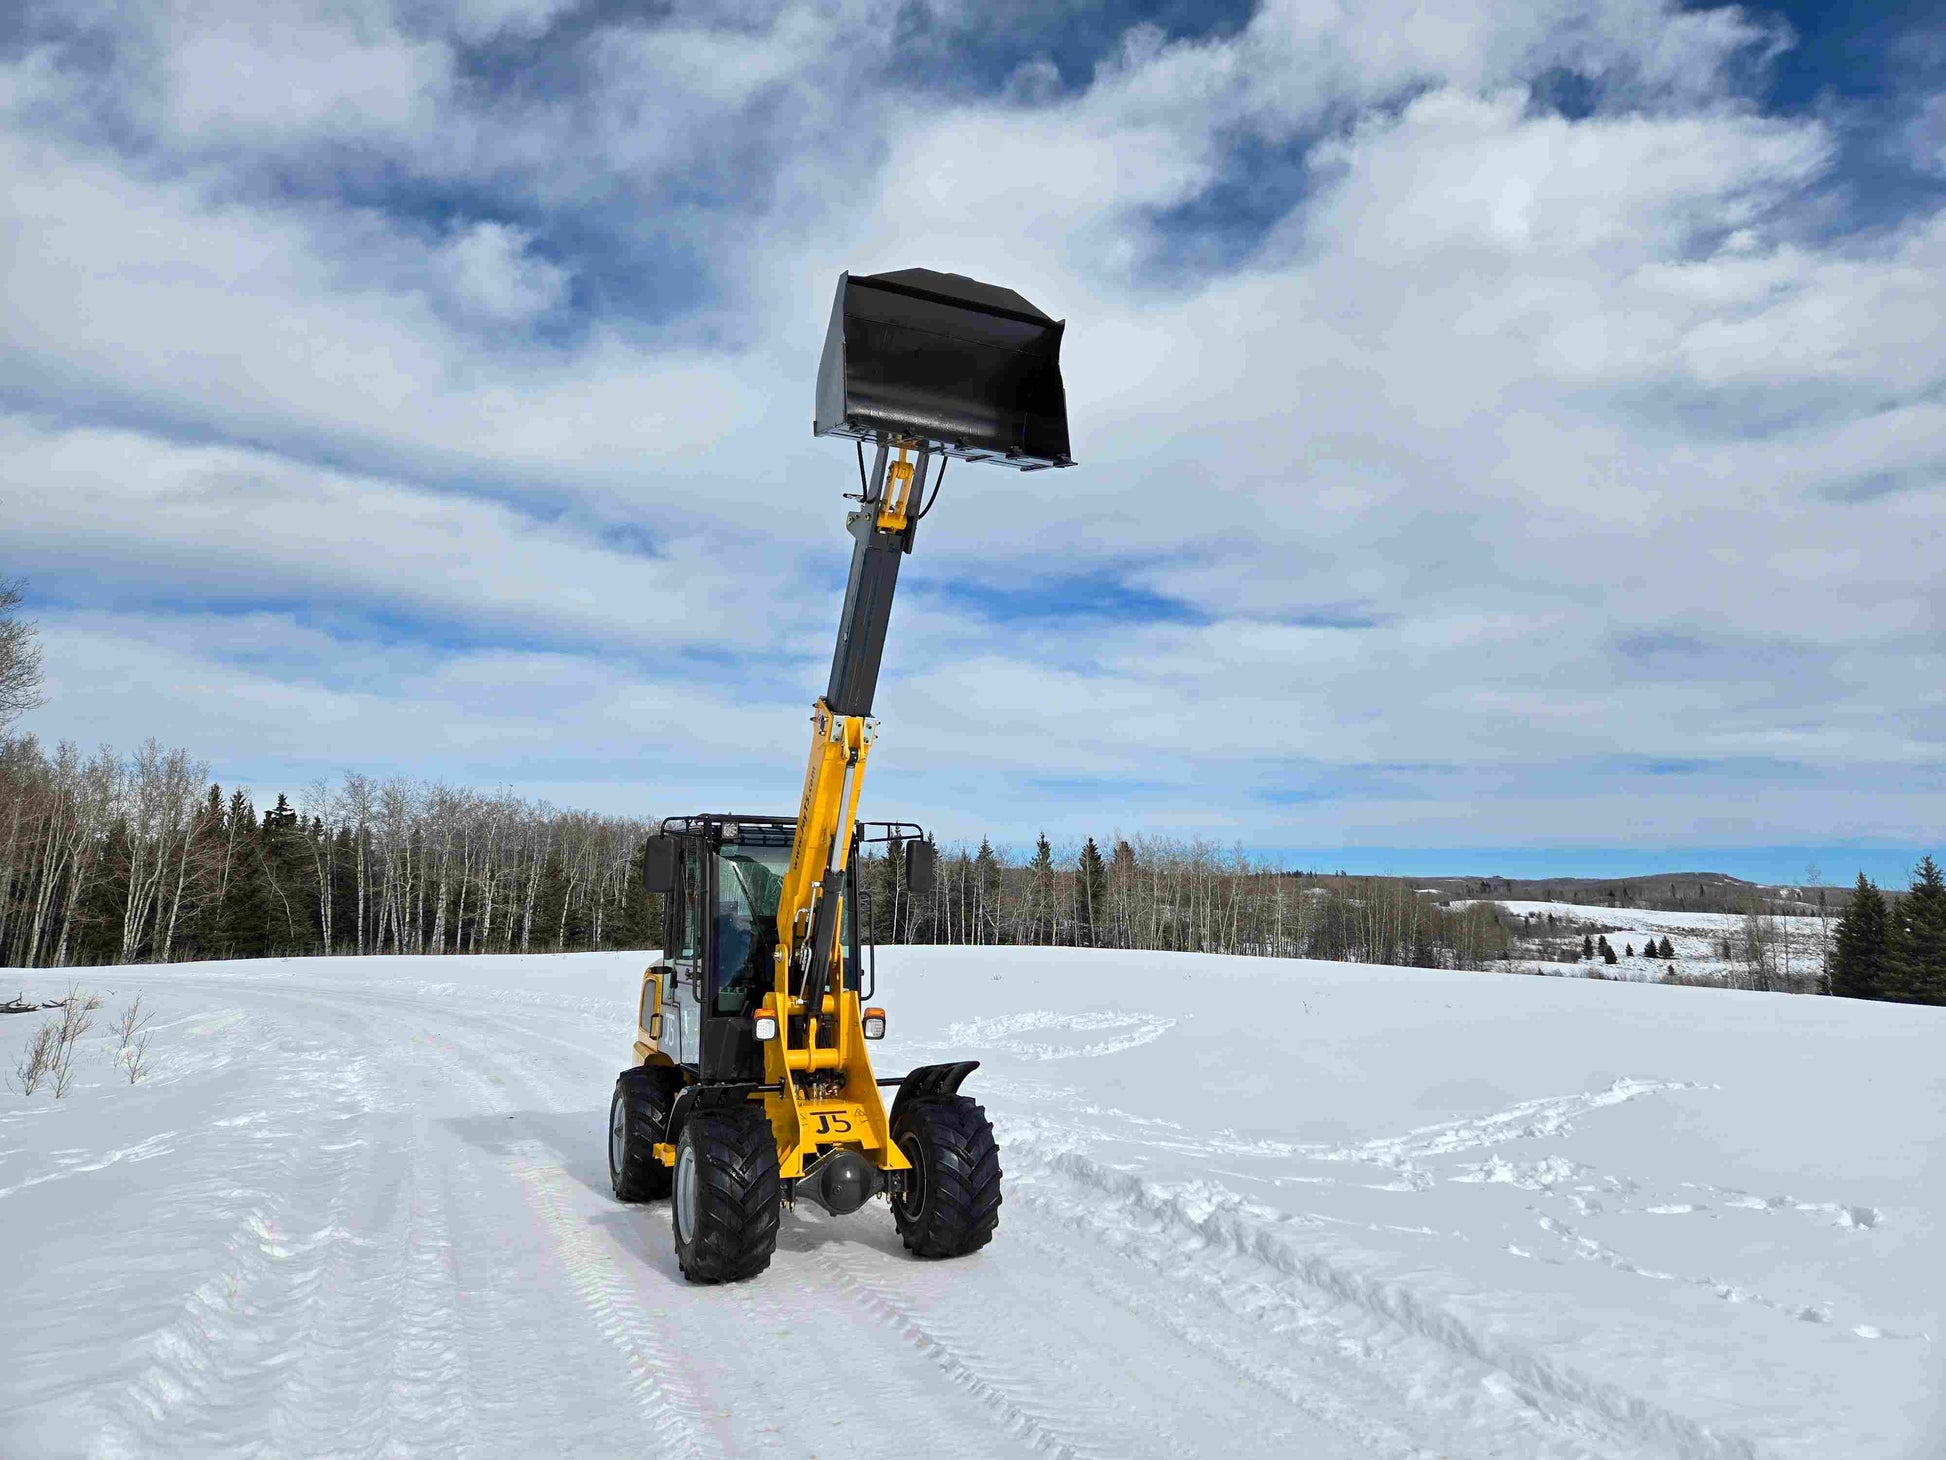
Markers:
point(1502, 434)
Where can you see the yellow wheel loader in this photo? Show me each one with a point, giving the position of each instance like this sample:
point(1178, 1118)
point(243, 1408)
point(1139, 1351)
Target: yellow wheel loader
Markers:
point(752, 1085)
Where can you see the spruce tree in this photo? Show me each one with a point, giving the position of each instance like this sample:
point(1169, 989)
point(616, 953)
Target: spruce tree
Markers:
point(1667, 950)
point(638, 923)
point(1091, 896)
point(290, 902)
point(1607, 953)
point(1587, 946)
point(1042, 868)
point(1858, 955)
point(244, 914)
point(550, 907)
point(1916, 956)
point(986, 893)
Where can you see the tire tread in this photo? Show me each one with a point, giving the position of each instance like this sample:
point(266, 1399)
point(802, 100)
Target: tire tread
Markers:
point(962, 1205)
point(648, 1099)
point(737, 1196)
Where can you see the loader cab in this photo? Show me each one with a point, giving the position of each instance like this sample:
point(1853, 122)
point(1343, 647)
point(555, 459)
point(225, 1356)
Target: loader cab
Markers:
point(723, 876)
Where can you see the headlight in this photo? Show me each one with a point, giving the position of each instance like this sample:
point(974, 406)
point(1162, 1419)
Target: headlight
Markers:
point(874, 1022)
point(766, 1026)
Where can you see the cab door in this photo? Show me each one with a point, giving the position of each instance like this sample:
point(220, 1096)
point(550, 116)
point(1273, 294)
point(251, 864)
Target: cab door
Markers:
point(686, 926)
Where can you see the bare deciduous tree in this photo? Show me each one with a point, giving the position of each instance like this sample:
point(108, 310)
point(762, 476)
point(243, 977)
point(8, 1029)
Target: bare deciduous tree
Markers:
point(20, 658)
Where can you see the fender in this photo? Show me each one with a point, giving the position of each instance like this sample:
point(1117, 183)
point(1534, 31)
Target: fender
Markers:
point(928, 1081)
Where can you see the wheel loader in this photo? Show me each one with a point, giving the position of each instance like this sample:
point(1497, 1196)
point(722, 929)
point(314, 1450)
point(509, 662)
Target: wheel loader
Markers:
point(752, 1085)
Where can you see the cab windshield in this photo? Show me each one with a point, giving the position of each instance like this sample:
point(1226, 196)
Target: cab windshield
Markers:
point(749, 881)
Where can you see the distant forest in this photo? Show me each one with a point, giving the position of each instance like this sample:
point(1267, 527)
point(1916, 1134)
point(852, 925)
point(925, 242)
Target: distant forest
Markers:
point(112, 860)
point(106, 859)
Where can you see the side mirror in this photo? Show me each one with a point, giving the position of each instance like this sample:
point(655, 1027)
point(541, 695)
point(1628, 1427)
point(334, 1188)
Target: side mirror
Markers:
point(921, 868)
point(659, 864)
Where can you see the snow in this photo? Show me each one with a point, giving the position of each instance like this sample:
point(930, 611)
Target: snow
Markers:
point(1253, 1208)
point(1694, 937)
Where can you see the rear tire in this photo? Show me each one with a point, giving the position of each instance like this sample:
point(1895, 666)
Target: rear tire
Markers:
point(726, 1194)
point(951, 1203)
point(638, 1117)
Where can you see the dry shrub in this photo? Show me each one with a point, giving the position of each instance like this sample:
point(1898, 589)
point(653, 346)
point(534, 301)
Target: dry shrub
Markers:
point(38, 1061)
point(132, 1025)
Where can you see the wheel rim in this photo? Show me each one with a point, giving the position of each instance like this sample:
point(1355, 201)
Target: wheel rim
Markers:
point(914, 1199)
point(617, 1135)
point(685, 1193)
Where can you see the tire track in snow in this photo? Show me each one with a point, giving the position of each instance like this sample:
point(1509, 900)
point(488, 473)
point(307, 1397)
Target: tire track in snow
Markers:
point(673, 1410)
point(1185, 1230)
point(664, 1397)
point(1080, 1367)
point(1327, 1406)
point(221, 1364)
point(428, 1393)
point(977, 1374)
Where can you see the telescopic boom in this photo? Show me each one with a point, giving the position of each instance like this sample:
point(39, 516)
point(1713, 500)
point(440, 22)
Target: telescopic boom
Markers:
point(923, 367)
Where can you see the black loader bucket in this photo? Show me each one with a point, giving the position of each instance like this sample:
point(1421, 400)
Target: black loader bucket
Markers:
point(965, 368)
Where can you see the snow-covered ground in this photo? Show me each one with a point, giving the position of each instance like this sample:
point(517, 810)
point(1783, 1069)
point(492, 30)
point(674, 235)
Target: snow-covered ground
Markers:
point(1694, 937)
point(1253, 1208)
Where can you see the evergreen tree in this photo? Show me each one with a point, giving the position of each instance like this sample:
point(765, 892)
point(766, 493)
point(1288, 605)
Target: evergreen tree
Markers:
point(639, 923)
point(344, 889)
point(105, 905)
point(1916, 961)
point(1090, 897)
point(1667, 950)
point(1629, 950)
point(986, 893)
point(1588, 946)
point(1857, 966)
point(243, 916)
point(290, 910)
point(1607, 953)
point(550, 907)
point(1042, 908)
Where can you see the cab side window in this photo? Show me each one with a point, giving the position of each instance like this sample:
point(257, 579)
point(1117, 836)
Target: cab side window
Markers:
point(692, 906)
point(648, 1003)
point(681, 916)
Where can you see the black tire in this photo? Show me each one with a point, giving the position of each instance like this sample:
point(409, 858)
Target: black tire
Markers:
point(638, 1116)
point(726, 1194)
point(951, 1202)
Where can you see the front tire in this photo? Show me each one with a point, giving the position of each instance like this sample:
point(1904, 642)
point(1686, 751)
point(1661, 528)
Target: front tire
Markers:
point(638, 1117)
point(726, 1194)
point(951, 1202)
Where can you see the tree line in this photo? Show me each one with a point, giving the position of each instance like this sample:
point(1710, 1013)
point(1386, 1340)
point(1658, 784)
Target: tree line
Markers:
point(1163, 894)
point(106, 859)
point(1893, 949)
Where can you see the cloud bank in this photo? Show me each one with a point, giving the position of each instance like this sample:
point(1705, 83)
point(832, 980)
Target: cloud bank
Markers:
point(1494, 430)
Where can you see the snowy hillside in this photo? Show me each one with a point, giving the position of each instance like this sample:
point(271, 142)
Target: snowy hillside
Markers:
point(1696, 939)
point(1253, 1208)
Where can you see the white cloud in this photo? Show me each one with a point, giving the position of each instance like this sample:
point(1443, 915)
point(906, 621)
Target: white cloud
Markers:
point(1611, 456)
point(307, 320)
point(491, 274)
point(283, 74)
